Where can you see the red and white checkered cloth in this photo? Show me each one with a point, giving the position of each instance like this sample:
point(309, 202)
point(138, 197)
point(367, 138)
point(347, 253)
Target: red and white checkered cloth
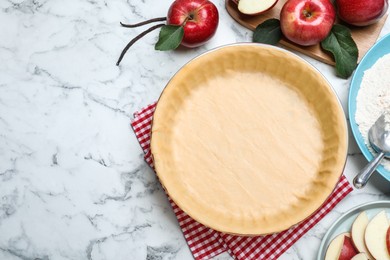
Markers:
point(205, 243)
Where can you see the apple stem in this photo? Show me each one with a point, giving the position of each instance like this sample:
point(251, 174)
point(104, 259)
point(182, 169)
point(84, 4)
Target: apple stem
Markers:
point(136, 39)
point(189, 17)
point(159, 19)
point(306, 13)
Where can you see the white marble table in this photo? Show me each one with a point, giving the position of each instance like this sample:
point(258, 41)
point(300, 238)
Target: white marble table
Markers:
point(73, 183)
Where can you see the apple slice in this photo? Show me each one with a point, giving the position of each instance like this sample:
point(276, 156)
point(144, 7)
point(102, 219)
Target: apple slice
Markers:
point(375, 236)
point(388, 240)
point(254, 7)
point(336, 245)
point(348, 250)
point(360, 256)
point(357, 234)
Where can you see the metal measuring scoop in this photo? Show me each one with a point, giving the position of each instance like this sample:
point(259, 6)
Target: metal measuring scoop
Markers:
point(379, 137)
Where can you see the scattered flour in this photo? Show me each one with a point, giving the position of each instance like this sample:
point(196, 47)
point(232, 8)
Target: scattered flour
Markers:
point(373, 98)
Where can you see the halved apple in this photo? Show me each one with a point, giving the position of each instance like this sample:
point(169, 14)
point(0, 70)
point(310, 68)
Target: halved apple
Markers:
point(254, 7)
point(360, 256)
point(375, 236)
point(336, 245)
point(357, 234)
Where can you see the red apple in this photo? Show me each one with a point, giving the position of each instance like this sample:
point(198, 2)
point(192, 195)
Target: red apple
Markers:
point(198, 17)
point(361, 12)
point(254, 7)
point(307, 22)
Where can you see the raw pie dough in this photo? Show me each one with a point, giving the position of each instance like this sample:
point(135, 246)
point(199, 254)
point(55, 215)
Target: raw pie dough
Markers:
point(241, 150)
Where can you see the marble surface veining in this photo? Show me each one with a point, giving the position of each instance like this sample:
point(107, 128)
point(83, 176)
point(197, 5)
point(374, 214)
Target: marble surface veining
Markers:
point(73, 183)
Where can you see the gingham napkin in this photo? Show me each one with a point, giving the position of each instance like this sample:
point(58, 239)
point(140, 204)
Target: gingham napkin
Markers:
point(205, 243)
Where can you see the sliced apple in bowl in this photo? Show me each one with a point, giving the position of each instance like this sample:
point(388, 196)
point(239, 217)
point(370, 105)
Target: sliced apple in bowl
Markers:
point(360, 256)
point(341, 248)
point(388, 239)
point(375, 236)
point(254, 7)
point(358, 230)
point(348, 250)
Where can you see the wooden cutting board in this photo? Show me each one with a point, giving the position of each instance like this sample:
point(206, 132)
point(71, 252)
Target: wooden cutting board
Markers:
point(364, 37)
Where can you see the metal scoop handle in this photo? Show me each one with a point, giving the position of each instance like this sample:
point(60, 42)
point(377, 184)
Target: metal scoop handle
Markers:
point(364, 175)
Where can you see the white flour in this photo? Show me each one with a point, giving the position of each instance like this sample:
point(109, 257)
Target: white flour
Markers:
point(373, 98)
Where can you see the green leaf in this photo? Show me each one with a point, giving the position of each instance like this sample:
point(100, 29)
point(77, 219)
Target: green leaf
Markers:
point(268, 32)
point(170, 37)
point(340, 43)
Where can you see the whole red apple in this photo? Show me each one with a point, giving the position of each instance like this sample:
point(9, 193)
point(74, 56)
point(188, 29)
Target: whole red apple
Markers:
point(307, 22)
point(198, 17)
point(361, 12)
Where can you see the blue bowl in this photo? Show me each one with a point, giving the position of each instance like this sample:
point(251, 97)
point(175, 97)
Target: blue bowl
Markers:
point(380, 48)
